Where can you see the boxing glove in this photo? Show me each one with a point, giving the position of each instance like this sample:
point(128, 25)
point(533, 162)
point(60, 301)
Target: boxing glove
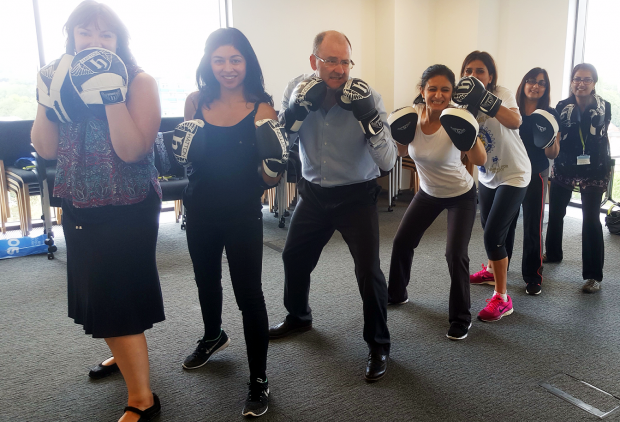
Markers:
point(100, 78)
point(470, 92)
point(544, 129)
point(272, 144)
point(56, 94)
point(403, 123)
point(356, 96)
point(307, 96)
point(461, 126)
point(189, 142)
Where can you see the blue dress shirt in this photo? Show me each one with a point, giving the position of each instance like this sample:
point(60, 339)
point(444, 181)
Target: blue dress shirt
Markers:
point(333, 148)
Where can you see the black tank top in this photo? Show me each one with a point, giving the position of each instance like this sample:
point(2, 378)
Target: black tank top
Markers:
point(227, 184)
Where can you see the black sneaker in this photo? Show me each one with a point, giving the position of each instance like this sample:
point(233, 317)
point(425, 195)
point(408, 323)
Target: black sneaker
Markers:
point(458, 331)
point(257, 402)
point(533, 289)
point(204, 351)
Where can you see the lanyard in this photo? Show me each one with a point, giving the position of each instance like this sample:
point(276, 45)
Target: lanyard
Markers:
point(583, 144)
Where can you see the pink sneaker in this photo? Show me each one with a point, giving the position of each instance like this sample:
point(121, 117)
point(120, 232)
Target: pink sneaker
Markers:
point(496, 309)
point(482, 277)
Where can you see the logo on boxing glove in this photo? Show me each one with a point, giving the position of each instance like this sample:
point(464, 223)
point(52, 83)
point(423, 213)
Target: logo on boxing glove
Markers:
point(404, 126)
point(463, 89)
point(457, 130)
point(540, 128)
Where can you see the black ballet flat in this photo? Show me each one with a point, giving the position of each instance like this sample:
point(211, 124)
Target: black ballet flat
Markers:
point(102, 371)
point(149, 414)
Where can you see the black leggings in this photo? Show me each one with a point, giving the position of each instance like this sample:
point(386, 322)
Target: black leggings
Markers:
point(592, 246)
point(422, 211)
point(243, 240)
point(533, 211)
point(498, 208)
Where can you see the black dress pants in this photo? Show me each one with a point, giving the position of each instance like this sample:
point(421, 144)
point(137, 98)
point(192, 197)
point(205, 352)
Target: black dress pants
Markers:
point(243, 240)
point(420, 214)
point(592, 246)
point(533, 212)
point(351, 210)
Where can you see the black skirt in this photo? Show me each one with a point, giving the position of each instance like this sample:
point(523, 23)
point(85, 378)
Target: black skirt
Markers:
point(113, 284)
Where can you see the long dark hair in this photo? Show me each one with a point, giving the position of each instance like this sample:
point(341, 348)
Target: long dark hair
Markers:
point(253, 84)
point(431, 72)
point(488, 61)
point(543, 102)
point(91, 11)
point(583, 66)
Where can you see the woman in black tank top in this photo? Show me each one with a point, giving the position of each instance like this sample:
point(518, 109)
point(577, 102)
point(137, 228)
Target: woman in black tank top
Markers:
point(223, 202)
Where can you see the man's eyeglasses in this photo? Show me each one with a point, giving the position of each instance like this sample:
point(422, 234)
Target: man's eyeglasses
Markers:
point(586, 81)
point(331, 63)
point(542, 83)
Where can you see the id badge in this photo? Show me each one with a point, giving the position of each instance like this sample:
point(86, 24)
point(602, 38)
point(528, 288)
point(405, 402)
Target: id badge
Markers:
point(583, 160)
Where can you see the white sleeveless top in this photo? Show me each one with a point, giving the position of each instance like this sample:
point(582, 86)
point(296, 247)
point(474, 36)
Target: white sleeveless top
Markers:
point(438, 162)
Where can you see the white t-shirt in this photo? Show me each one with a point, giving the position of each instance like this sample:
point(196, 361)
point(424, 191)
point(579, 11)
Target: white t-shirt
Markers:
point(438, 162)
point(507, 160)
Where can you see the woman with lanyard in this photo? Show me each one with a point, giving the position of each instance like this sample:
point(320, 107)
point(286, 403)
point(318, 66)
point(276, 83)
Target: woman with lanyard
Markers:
point(504, 177)
point(223, 199)
point(533, 97)
point(111, 198)
point(444, 184)
point(584, 163)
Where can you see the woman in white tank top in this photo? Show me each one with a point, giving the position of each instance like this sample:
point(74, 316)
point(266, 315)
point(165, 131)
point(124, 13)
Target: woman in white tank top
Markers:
point(444, 184)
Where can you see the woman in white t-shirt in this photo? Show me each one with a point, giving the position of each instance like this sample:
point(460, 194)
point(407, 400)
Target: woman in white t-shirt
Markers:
point(503, 179)
point(444, 184)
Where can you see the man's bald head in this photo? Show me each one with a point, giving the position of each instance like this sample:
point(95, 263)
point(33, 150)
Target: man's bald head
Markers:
point(331, 36)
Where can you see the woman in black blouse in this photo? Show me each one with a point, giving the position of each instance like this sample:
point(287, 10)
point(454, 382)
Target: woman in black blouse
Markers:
point(584, 163)
point(533, 93)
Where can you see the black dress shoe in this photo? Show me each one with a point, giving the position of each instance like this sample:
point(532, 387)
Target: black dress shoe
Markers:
point(288, 326)
point(101, 371)
point(149, 414)
point(376, 367)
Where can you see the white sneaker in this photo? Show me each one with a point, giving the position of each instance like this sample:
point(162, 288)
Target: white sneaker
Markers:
point(591, 286)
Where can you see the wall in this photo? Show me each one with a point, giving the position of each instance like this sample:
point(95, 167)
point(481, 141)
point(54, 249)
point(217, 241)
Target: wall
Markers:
point(282, 31)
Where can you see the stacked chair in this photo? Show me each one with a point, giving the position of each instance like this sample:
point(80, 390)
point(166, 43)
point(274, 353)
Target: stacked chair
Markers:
point(15, 144)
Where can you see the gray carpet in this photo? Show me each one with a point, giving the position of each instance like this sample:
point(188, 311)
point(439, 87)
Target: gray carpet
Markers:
point(492, 375)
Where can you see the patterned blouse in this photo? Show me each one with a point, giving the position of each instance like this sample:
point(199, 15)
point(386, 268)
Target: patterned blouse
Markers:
point(90, 174)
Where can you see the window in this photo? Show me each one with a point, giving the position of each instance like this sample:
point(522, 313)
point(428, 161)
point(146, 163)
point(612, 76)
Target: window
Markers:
point(20, 61)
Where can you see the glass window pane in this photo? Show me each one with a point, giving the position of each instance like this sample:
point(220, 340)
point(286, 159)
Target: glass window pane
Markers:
point(20, 61)
point(601, 49)
point(167, 39)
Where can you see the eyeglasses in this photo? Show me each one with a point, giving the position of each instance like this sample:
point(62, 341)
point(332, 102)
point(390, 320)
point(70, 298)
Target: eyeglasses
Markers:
point(347, 64)
point(542, 83)
point(586, 81)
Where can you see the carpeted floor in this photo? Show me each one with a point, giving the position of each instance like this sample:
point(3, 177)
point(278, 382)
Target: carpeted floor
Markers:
point(492, 375)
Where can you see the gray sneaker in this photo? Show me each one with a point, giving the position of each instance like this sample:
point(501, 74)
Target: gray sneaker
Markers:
point(591, 286)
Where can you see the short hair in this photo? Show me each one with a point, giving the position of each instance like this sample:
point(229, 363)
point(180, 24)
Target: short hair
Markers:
point(253, 84)
point(431, 72)
point(488, 61)
point(90, 11)
point(318, 40)
point(584, 66)
point(543, 102)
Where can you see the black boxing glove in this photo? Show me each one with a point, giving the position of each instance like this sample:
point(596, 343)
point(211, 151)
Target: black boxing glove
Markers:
point(461, 126)
point(307, 96)
point(403, 123)
point(189, 142)
point(356, 96)
point(544, 129)
point(100, 78)
point(470, 92)
point(272, 145)
point(56, 93)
